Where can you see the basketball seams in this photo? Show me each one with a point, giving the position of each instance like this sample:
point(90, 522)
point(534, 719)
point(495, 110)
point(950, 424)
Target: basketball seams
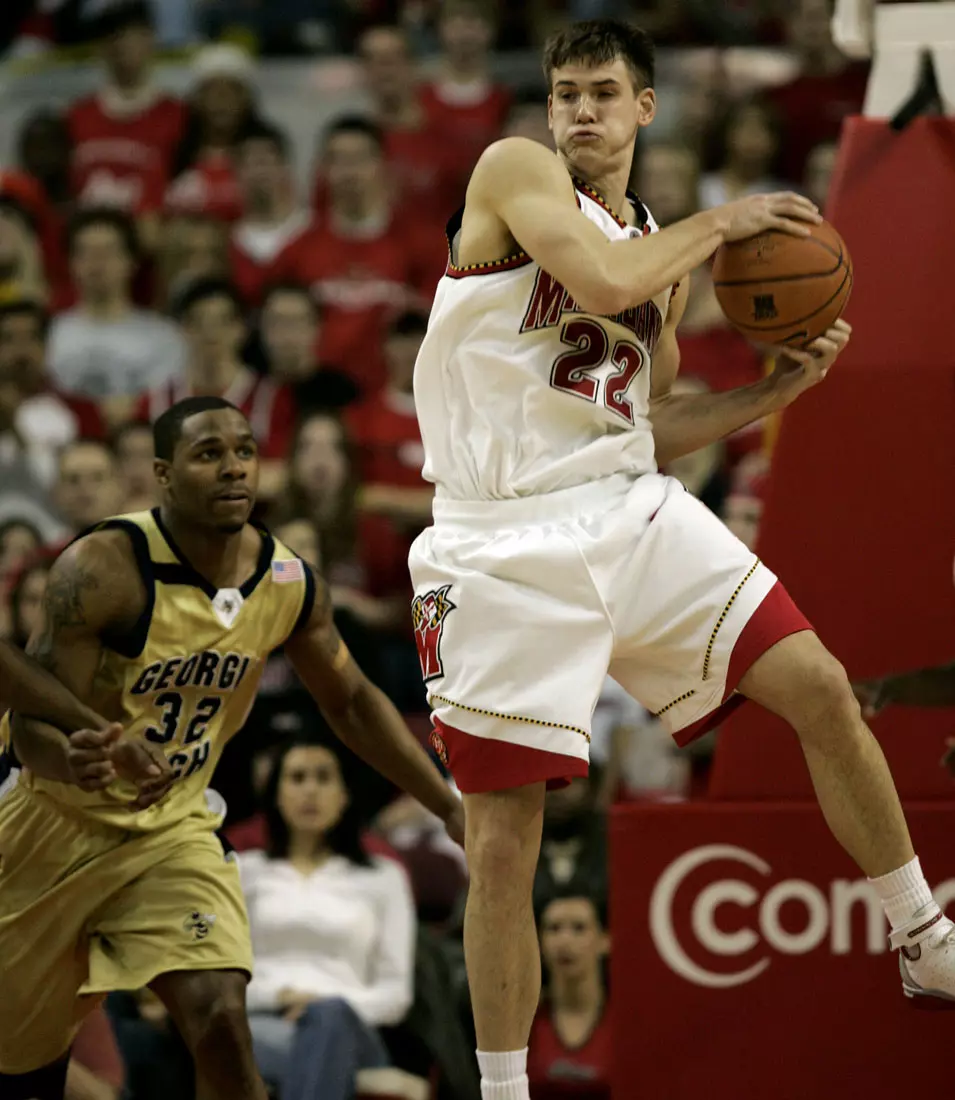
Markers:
point(757, 330)
point(791, 278)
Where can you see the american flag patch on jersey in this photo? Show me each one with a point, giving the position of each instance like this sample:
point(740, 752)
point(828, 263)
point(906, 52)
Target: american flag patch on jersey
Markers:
point(284, 572)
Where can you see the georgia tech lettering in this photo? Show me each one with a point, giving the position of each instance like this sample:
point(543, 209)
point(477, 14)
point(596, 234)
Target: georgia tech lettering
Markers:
point(176, 719)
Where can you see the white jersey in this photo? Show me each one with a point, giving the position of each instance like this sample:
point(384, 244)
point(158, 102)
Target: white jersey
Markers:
point(520, 392)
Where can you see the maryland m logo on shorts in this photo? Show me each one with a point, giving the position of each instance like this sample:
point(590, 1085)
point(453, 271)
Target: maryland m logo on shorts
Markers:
point(428, 613)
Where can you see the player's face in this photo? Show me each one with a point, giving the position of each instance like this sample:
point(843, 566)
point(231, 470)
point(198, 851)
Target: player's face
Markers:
point(22, 350)
point(214, 475)
point(594, 113)
point(312, 795)
point(572, 941)
point(101, 264)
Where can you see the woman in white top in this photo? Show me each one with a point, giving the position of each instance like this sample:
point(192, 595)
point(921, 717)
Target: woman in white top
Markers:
point(750, 142)
point(333, 933)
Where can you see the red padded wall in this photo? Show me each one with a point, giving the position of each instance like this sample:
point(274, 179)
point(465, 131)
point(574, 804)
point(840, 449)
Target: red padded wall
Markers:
point(860, 517)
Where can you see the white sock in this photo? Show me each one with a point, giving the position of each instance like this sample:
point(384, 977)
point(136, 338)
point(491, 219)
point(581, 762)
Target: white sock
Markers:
point(504, 1075)
point(902, 893)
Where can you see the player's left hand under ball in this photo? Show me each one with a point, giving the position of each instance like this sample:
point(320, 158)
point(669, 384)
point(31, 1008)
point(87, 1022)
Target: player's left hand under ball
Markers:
point(798, 369)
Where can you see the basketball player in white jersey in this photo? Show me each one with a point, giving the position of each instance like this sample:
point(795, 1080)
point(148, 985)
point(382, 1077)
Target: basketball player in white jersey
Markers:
point(559, 552)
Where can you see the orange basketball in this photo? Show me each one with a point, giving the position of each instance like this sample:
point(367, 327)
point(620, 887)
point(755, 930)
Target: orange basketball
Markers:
point(781, 289)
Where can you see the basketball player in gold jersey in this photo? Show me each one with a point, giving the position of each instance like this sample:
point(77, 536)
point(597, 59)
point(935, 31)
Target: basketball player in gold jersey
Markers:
point(161, 621)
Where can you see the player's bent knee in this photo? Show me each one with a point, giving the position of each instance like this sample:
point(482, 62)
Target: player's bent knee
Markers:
point(826, 706)
point(210, 1011)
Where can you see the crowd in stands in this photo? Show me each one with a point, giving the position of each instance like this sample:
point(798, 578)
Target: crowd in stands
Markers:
point(153, 247)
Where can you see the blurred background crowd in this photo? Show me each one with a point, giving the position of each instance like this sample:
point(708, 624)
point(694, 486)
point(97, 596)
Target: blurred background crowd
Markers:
point(248, 198)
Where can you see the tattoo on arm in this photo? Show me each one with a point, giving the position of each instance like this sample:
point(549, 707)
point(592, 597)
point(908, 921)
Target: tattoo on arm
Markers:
point(63, 608)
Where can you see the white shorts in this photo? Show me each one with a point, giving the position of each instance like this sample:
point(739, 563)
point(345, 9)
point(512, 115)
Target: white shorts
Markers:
point(522, 607)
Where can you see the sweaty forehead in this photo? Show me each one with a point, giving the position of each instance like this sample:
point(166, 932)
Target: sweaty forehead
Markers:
point(226, 424)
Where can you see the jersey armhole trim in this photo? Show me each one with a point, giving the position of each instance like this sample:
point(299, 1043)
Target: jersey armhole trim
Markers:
point(131, 643)
point(308, 600)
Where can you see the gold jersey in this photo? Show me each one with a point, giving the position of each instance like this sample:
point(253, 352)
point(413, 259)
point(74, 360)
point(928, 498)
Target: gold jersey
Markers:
point(184, 679)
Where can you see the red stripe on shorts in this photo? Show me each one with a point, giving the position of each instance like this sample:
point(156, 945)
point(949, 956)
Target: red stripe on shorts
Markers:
point(481, 764)
point(776, 618)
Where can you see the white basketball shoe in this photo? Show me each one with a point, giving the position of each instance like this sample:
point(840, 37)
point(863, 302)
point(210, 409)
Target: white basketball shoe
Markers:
point(926, 947)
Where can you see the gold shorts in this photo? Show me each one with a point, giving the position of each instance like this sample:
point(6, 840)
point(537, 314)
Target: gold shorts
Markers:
point(88, 908)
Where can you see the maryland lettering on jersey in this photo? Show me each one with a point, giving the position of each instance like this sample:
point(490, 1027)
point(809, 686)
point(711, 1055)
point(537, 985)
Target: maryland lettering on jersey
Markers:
point(208, 669)
point(549, 301)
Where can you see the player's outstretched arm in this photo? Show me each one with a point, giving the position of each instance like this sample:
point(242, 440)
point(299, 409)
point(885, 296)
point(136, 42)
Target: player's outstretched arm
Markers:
point(925, 687)
point(362, 716)
point(683, 423)
point(527, 188)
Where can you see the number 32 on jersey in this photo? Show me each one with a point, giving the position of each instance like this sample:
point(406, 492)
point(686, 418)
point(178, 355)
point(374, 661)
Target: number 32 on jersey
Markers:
point(573, 371)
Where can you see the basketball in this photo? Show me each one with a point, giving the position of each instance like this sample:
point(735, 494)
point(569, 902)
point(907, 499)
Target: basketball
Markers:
point(781, 289)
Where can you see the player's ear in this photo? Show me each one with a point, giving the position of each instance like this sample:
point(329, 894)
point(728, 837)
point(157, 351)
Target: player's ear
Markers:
point(161, 469)
point(646, 106)
point(550, 113)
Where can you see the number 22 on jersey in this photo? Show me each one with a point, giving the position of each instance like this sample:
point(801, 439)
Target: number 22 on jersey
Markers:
point(574, 371)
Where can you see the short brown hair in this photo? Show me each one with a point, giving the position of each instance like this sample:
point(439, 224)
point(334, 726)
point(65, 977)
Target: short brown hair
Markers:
point(600, 42)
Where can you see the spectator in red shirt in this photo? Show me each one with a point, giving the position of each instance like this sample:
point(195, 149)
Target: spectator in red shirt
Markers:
point(569, 1052)
point(829, 87)
point(364, 261)
point(272, 222)
point(211, 315)
point(289, 328)
point(45, 420)
point(124, 136)
point(463, 100)
point(386, 433)
point(425, 173)
point(220, 111)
